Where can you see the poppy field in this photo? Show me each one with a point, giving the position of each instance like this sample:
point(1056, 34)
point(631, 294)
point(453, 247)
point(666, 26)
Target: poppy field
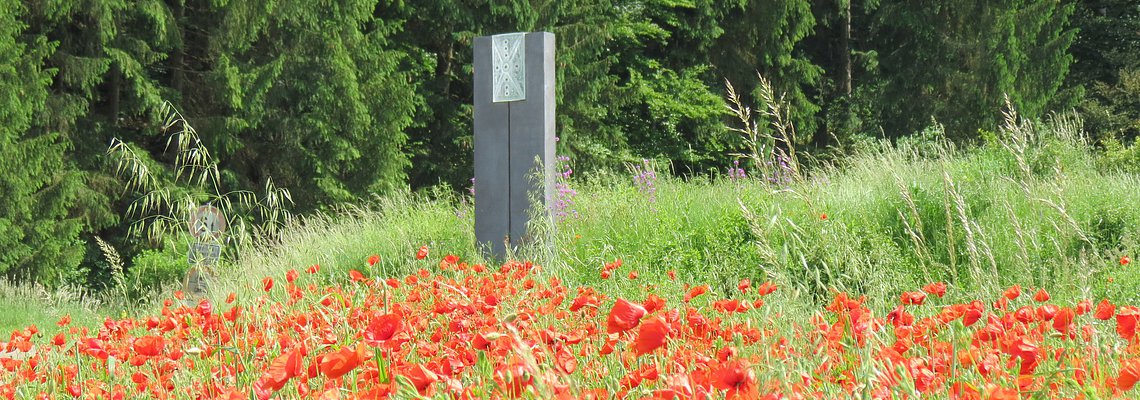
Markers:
point(454, 330)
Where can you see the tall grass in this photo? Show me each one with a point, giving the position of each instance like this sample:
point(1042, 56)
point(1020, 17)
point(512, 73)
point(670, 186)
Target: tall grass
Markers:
point(1029, 208)
point(1033, 206)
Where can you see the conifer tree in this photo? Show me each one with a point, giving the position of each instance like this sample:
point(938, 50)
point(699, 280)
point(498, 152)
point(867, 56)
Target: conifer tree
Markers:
point(764, 36)
point(38, 234)
point(1106, 68)
point(955, 61)
point(313, 96)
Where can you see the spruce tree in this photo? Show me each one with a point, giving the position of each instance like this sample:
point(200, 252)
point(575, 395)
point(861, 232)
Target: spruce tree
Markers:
point(315, 97)
point(39, 237)
point(765, 37)
point(956, 60)
point(1106, 70)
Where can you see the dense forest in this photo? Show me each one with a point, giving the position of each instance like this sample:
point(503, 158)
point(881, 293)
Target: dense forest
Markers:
point(339, 100)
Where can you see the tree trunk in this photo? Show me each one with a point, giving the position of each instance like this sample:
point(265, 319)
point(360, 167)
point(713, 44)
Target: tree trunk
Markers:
point(178, 59)
point(845, 49)
point(444, 71)
point(116, 82)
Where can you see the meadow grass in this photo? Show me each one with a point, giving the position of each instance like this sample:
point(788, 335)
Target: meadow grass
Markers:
point(1034, 206)
point(24, 305)
point(1031, 207)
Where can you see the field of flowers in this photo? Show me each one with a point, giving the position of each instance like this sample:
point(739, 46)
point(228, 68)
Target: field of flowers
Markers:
point(453, 330)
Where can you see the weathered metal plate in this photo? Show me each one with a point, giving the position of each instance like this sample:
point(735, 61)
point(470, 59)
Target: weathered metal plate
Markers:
point(204, 254)
point(508, 67)
point(197, 282)
point(207, 221)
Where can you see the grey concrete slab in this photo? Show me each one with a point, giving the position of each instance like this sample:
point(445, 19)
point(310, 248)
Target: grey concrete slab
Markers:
point(492, 158)
point(532, 137)
point(514, 145)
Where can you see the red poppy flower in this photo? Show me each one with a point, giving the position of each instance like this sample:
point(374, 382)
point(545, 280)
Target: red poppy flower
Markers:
point(726, 353)
point(280, 370)
point(1047, 312)
point(937, 289)
point(340, 362)
point(150, 346)
point(1126, 321)
point(913, 298)
point(422, 253)
point(1129, 374)
point(373, 259)
point(1028, 352)
point(632, 274)
point(1124, 260)
point(451, 259)
point(696, 291)
point(1104, 310)
point(1013, 292)
point(624, 316)
point(766, 288)
point(356, 276)
point(738, 379)
point(972, 314)
point(1063, 319)
point(204, 307)
point(316, 342)
point(584, 300)
point(422, 378)
point(651, 335)
point(653, 303)
point(1025, 315)
point(382, 328)
point(314, 269)
point(1084, 306)
point(899, 317)
point(995, 392)
point(744, 285)
point(482, 340)
point(565, 361)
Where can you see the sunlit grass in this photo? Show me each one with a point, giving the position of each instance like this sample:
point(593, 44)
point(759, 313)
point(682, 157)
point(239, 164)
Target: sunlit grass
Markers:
point(1032, 207)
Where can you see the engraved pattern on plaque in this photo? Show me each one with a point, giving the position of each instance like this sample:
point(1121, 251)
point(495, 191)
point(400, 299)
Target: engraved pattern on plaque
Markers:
point(508, 64)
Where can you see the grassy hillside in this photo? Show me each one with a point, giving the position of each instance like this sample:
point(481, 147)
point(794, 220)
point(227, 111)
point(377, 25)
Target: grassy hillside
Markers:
point(1034, 206)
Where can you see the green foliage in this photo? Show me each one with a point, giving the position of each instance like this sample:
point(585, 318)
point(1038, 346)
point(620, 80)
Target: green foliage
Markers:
point(393, 227)
point(1117, 156)
point(27, 304)
point(163, 205)
point(766, 36)
point(955, 61)
point(1031, 208)
point(154, 270)
point(679, 119)
point(670, 110)
point(1108, 40)
point(316, 97)
point(38, 234)
point(1113, 109)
